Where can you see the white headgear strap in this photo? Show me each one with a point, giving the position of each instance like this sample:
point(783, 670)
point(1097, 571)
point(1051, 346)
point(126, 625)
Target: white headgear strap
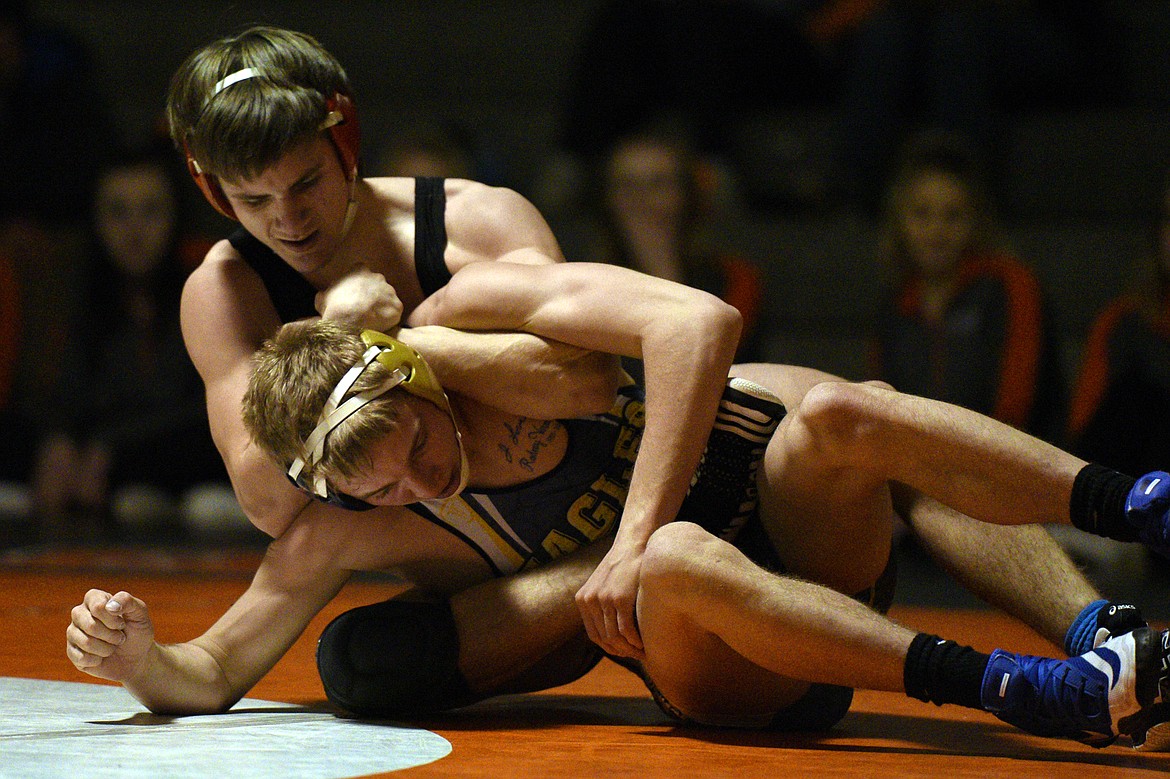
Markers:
point(233, 78)
point(335, 412)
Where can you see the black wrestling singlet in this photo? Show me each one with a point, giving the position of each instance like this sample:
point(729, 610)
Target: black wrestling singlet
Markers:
point(293, 296)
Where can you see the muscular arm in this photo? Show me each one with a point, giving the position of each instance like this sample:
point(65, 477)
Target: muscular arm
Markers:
point(558, 381)
point(543, 378)
point(226, 315)
point(685, 338)
point(212, 672)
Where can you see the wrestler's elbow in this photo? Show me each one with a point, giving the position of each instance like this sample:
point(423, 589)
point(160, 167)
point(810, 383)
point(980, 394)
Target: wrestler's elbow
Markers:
point(600, 376)
point(712, 323)
point(270, 505)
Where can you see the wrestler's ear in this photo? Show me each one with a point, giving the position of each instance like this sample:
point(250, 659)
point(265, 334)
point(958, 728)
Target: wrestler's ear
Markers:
point(208, 185)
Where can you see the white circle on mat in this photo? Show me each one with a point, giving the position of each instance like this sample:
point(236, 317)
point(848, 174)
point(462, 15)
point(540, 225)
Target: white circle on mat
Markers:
point(68, 729)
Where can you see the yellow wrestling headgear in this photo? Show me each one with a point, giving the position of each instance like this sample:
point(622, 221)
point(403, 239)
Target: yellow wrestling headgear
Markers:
point(408, 370)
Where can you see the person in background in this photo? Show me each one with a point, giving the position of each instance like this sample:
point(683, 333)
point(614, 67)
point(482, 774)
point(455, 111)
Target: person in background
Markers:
point(964, 319)
point(426, 148)
point(129, 434)
point(1123, 385)
point(654, 196)
point(965, 66)
point(54, 130)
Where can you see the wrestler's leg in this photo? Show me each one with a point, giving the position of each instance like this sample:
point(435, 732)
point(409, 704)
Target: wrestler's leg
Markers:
point(725, 640)
point(887, 435)
point(1018, 568)
point(728, 643)
point(829, 522)
point(524, 632)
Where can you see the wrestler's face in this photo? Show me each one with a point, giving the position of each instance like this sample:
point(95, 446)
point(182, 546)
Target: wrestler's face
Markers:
point(419, 460)
point(937, 219)
point(297, 205)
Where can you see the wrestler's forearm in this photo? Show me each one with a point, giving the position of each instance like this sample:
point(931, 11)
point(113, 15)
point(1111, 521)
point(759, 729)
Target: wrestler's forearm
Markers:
point(519, 372)
point(181, 679)
point(686, 365)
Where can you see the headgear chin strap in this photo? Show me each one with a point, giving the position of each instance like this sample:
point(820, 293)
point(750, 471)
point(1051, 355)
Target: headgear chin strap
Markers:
point(408, 370)
point(341, 122)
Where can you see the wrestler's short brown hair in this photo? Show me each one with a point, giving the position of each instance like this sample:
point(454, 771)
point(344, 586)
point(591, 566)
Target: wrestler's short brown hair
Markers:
point(244, 128)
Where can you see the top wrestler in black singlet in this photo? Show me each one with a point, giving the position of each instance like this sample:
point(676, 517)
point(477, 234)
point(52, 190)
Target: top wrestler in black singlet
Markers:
point(293, 295)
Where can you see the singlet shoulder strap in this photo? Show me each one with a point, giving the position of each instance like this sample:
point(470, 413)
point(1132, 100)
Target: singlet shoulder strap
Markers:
point(430, 233)
point(291, 293)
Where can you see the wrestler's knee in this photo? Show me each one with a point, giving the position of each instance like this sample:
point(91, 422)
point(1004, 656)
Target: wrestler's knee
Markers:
point(835, 420)
point(395, 658)
point(679, 555)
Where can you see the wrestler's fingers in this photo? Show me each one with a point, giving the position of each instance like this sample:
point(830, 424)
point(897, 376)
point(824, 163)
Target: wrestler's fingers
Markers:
point(627, 627)
point(86, 650)
point(85, 623)
point(132, 610)
point(95, 603)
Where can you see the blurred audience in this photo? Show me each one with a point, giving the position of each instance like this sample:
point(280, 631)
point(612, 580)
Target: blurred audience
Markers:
point(54, 129)
point(961, 66)
point(426, 147)
point(707, 60)
point(127, 436)
point(1118, 411)
point(964, 320)
point(653, 197)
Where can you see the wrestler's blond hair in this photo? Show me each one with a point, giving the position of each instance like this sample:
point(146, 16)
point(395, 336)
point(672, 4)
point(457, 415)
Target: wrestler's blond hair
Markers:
point(293, 374)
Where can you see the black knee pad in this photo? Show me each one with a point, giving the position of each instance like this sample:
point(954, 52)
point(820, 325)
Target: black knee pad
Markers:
point(392, 659)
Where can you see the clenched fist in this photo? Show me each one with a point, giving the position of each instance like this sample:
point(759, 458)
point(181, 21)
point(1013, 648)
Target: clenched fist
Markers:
point(109, 636)
point(362, 298)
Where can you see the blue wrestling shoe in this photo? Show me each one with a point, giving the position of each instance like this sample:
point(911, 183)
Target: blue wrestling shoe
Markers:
point(1147, 509)
point(723, 493)
point(1122, 688)
point(1100, 621)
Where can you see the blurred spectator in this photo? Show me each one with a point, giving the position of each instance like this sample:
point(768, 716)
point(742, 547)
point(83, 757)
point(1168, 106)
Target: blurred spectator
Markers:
point(708, 60)
point(960, 66)
point(1118, 414)
point(128, 432)
point(965, 320)
point(54, 130)
point(426, 148)
point(653, 197)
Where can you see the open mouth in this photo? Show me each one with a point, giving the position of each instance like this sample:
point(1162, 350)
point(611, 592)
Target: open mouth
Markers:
point(300, 244)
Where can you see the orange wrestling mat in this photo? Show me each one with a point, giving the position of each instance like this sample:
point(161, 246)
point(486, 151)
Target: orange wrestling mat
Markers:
point(602, 725)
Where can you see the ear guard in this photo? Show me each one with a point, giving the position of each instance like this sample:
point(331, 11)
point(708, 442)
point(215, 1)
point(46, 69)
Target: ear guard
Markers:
point(407, 369)
point(340, 120)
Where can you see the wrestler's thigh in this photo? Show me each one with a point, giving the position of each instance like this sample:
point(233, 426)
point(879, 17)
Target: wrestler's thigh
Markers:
point(704, 678)
point(829, 523)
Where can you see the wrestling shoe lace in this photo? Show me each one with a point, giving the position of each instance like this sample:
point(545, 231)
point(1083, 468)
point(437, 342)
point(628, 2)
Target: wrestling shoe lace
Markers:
point(723, 491)
point(1116, 689)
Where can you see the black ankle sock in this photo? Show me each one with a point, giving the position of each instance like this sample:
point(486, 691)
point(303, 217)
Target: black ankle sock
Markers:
point(939, 672)
point(1097, 505)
